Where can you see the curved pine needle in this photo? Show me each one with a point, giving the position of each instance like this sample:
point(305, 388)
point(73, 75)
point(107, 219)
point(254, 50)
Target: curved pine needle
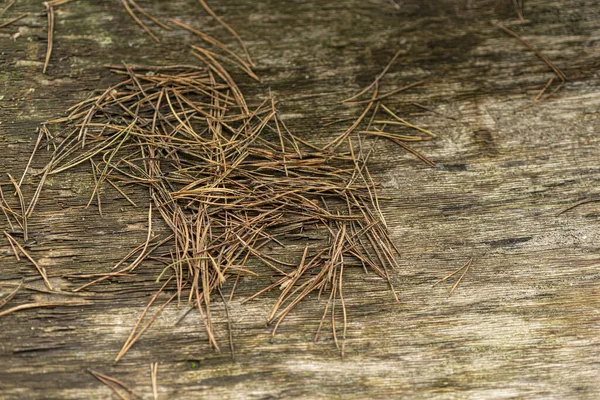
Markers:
point(579, 203)
point(50, 11)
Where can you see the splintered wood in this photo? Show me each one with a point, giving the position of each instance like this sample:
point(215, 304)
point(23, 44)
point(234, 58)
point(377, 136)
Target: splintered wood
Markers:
point(229, 181)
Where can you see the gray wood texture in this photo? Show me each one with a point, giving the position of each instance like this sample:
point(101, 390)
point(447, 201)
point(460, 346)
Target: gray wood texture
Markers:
point(523, 323)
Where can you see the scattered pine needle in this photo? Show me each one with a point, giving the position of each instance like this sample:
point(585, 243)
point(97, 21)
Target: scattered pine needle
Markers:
point(405, 123)
point(116, 385)
point(10, 22)
point(391, 93)
point(41, 270)
point(433, 111)
point(374, 104)
point(35, 148)
point(465, 267)
point(550, 64)
point(11, 295)
point(229, 28)
point(579, 203)
point(9, 5)
point(154, 377)
point(50, 11)
point(149, 16)
point(41, 305)
point(137, 332)
point(139, 21)
point(9, 212)
point(540, 96)
point(209, 39)
point(377, 79)
point(519, 9)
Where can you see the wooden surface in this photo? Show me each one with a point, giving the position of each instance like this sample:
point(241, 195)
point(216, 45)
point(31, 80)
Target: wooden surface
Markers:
point(525, 320)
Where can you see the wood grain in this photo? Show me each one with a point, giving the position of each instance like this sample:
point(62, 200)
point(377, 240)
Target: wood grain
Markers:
point(523, 322)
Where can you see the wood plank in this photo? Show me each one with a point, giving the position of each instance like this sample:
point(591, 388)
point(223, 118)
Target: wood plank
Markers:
point(524, 320)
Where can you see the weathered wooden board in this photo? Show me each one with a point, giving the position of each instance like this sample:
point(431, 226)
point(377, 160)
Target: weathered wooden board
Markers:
point(525, 320)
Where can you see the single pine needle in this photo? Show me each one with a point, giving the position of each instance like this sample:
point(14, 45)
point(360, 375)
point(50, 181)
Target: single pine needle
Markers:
point(579, 203)
point(42, 305)
point(550, 64)
point(50, 11)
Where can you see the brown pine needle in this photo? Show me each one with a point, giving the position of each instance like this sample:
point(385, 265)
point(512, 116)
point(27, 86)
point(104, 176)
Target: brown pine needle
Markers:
point(519, 9)
point(14, 250)
point(377, 79)
point(579, 203)
point(96, 192)
point(10, 22)
point(149, 16)
point(50, 11)
point(37, 144)
point(22, 204)
point(459, 279)
point(42, 304)
point(334, 144)
point(229, 182)
point(413, 151)
point(465, 267)
point(6, 210)
point(136, 332)
point(154, 377)
point(229, 324)
point(139, 21)
point(9, 5)
point(11, 295)
point(406, 123)
point(239, 61)
point(114, 384)
point(41, 270)
point(229, 28)
point(388, 94)
point(550, 64)
point(344, 314)
point(537, 98)
point(111, 183)
point(452, 274)
point(433, 111)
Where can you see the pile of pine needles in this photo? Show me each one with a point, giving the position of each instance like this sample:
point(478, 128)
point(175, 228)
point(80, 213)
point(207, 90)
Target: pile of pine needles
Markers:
point(229, 181)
